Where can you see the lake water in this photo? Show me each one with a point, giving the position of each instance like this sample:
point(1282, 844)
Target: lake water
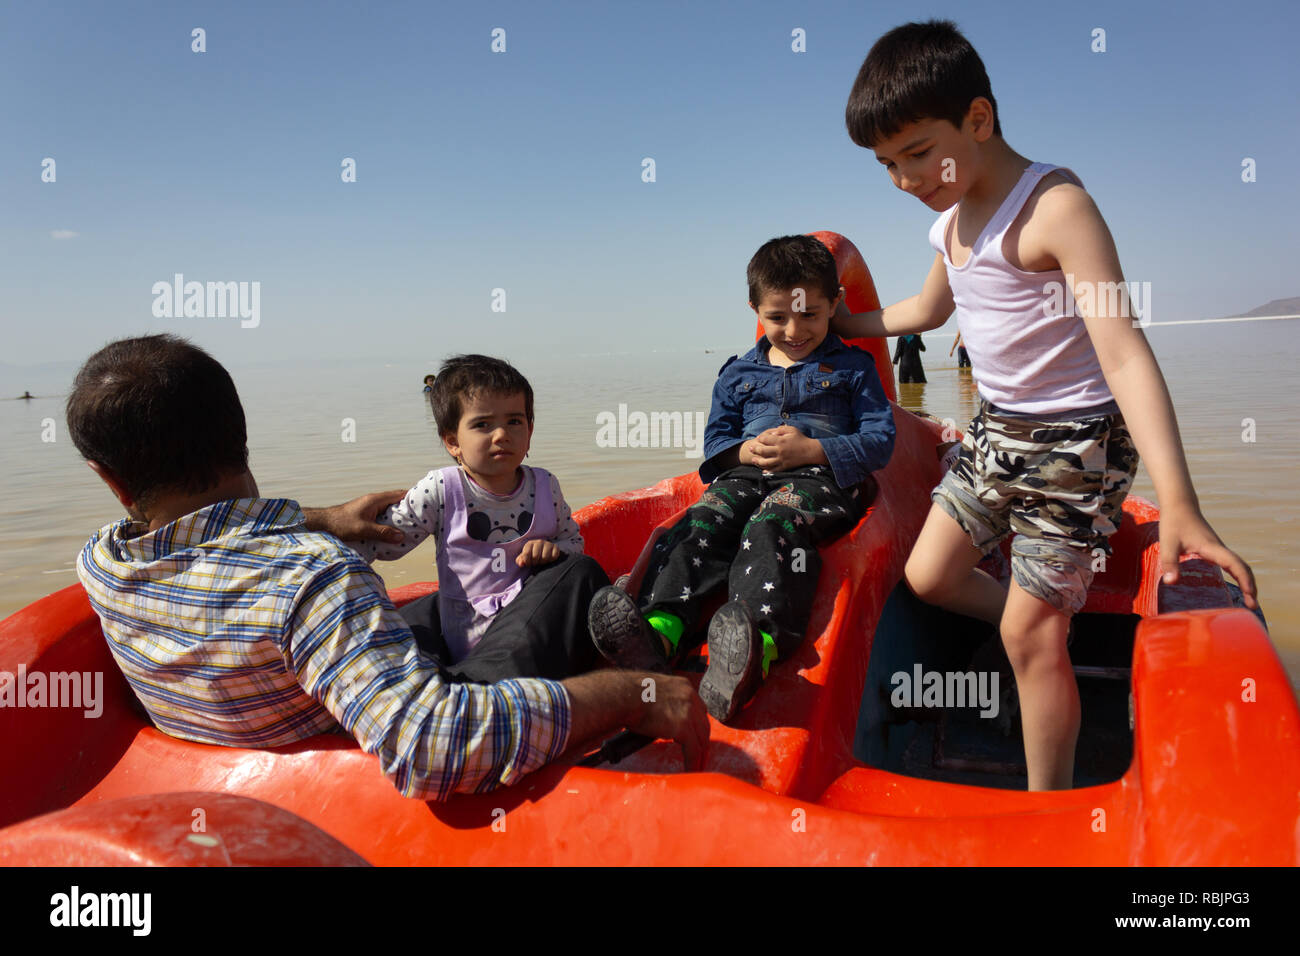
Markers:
point(1220, 375)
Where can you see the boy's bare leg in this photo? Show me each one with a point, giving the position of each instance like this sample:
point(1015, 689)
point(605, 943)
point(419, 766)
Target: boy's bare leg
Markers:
point(1034, 635)
point(941, 570)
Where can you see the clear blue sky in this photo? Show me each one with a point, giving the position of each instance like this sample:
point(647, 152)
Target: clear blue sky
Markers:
point(522, 170)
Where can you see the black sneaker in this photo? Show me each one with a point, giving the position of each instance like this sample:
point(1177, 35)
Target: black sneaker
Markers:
point(735, 661)
point(622, 635)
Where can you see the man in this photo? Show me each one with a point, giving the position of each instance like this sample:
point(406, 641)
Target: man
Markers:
point(238, 622)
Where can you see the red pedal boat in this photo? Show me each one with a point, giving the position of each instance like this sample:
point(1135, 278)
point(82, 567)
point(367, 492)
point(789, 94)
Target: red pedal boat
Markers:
point(1189, 751)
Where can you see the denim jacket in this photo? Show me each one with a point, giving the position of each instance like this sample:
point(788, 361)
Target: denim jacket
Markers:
point(834, 395)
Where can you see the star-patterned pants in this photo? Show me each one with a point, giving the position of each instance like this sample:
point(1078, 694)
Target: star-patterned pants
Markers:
point(757, 533)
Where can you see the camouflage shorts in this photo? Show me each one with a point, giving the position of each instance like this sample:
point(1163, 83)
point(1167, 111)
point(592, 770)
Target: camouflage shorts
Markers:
point(1057, 485)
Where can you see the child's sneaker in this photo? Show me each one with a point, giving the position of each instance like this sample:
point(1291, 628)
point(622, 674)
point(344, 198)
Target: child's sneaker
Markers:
point(622, 635)
point(735, 661)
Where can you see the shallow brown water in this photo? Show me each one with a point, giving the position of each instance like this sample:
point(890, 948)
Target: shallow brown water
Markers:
point(1218, 375)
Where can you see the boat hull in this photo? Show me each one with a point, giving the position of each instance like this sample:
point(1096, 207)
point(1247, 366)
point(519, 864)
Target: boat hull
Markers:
point(1214, 775)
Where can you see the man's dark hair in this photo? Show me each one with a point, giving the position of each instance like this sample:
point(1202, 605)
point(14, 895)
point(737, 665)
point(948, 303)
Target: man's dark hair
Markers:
point(161, 414)
point(916, 72)
point(789, 262)
point(464, 376)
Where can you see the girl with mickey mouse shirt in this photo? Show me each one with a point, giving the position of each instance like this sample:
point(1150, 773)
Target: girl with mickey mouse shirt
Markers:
point(514, 585)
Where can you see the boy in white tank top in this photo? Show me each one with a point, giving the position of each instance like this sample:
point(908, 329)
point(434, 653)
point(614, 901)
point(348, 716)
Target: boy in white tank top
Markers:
point(1050, 456)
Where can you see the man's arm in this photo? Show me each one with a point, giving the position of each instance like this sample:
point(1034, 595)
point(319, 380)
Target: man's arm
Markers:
point(604, 702)
point(356, 520)
point(920, 313)
point(386, 525)
point(1074, 233)
point(353, 653)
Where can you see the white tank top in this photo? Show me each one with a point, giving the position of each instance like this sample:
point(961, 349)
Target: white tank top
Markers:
point(1028, 353)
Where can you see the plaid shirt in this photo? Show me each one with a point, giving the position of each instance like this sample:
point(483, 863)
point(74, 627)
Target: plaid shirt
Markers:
point(236, 625)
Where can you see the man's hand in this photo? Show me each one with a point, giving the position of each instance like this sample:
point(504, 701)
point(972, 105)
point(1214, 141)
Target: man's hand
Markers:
point(604, 702)
point(784, 448)
point(1182, 531)
point(538, 552)
point(676, 713)
point(355, 520)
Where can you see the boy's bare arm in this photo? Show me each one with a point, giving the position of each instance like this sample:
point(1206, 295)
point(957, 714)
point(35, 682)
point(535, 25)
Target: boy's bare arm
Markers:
point(920, 313)
point(1070, 229)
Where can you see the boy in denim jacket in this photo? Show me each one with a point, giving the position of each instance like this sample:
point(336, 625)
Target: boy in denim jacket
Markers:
point(797, 426)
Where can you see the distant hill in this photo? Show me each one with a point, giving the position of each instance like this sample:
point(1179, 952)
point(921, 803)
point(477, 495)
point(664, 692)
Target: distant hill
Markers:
point(1289, 306)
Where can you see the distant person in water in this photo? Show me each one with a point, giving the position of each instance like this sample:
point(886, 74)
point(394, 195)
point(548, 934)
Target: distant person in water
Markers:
point(428, 383)
point(963, 360)
point(26, 395)
point(907, 356)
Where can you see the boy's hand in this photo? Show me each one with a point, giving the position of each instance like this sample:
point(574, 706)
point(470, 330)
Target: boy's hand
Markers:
point(538, 552)
point(784, 448)
point(355, 520)
point(1183, 531)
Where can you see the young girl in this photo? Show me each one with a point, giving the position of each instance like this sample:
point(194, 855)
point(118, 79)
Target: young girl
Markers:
point(513, 583)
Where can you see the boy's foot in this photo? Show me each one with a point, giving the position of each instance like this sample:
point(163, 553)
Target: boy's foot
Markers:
point(622, 635)
point(735, 661)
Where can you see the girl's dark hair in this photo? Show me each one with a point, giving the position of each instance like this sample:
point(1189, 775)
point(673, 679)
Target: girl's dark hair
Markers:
point(161, 414)
point(915, 72)
point(789, 262)
point(464, 376)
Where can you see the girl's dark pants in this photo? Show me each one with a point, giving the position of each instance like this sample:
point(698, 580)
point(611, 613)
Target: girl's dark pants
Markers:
point(757, 535)
point(541, 633)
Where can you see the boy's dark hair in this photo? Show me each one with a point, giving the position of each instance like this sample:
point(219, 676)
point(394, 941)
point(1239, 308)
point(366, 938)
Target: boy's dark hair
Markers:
point(915, 72)
point(161, 414)
point(789, 262)
point(464, 376)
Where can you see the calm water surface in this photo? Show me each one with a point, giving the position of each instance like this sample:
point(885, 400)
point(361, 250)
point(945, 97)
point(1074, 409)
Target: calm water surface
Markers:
point(1219, 375)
